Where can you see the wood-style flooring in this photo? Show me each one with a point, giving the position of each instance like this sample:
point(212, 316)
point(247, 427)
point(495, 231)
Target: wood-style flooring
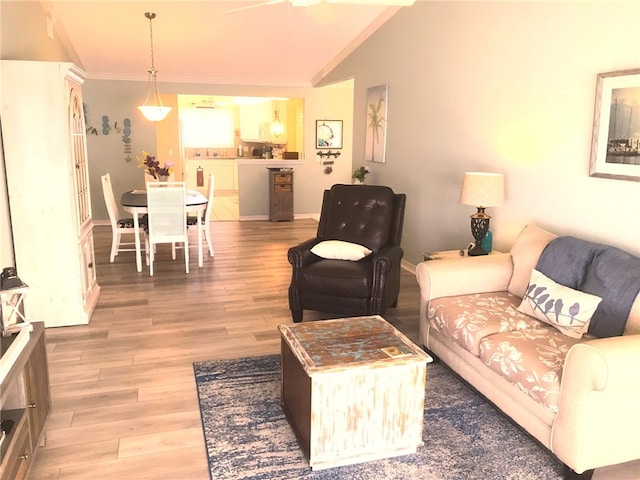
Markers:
point(123, 391)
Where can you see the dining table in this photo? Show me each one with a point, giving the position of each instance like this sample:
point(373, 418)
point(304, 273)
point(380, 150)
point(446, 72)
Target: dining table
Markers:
point(135, 202)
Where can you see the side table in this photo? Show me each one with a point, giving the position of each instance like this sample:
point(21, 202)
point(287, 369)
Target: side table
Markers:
point(449, 254)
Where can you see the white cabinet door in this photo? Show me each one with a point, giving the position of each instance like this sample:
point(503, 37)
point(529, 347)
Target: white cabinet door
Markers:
point(88, 269)
point(252, 119)
point(223, 170)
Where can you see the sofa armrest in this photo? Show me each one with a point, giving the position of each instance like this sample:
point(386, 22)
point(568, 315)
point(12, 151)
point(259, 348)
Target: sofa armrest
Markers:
point(448, 277)
point(599, 406)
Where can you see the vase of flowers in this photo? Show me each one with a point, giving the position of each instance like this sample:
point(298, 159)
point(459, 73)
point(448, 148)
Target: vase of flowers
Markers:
point(359, 174)
point(152, 166)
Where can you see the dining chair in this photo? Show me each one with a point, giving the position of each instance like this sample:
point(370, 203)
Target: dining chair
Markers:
point(119, 225)
point(166, 217)
point(206, 217)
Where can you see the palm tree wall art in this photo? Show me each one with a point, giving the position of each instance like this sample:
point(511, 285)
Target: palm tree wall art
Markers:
point(376, 137)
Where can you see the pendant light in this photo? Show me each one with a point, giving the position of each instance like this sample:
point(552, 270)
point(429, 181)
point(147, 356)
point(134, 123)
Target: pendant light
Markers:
point(152, 107)
point(277, 128)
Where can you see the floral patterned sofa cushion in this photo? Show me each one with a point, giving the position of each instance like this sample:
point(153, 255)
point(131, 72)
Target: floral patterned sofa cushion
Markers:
point(467, 319)
point(532, 359)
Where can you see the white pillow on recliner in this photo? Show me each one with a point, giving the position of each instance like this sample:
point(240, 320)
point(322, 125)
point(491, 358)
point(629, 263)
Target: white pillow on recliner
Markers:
point(339, 250)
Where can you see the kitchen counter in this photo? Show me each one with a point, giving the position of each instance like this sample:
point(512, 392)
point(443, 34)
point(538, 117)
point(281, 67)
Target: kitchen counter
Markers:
point(250, 160)
point(273, 162)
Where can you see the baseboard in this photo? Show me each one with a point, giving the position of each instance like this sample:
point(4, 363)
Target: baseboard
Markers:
point(298, 216)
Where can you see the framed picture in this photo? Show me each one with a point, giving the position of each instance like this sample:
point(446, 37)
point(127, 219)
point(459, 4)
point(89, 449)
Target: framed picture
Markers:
point(376, 136)
point(328, 133)
point(615, 145)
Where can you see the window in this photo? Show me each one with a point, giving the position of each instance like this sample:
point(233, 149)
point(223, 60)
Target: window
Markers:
point(207, 127)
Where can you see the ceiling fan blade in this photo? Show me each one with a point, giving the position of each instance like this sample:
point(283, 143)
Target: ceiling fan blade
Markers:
point(393, 3)
point(308, 3)
point(254, 5)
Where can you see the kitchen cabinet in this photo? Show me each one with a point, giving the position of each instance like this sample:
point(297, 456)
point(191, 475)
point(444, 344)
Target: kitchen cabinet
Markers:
point(45, 154)
point(224, 170)
point(25, 400)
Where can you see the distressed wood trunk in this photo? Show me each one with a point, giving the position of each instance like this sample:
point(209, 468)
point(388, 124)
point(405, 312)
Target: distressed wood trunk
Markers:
point(352, 390)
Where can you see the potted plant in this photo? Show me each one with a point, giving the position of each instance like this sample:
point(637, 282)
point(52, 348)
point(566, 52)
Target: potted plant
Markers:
point(153, 167)
point(360, 174)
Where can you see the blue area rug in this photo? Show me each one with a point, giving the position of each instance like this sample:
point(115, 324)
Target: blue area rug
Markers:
point(248, 437)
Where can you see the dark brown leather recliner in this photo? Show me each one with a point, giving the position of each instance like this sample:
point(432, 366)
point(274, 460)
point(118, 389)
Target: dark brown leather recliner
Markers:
point(369, 215)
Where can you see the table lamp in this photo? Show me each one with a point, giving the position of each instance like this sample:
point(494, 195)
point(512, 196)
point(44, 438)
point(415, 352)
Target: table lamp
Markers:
point(481, 190)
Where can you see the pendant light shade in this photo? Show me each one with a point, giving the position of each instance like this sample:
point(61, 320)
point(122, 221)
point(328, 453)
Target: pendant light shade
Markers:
point(277, 128)
point(152, 107)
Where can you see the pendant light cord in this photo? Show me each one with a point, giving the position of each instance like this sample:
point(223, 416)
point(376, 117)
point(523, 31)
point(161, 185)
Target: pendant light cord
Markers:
point(156, 111)
point(151, 16)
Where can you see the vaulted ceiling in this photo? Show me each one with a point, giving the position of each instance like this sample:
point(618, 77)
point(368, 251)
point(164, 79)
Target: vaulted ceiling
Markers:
point(222, 42)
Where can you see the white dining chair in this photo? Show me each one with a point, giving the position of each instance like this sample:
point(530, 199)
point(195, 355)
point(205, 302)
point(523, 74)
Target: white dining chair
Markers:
point(206, 217)
point(119, 225)
point(166, 219)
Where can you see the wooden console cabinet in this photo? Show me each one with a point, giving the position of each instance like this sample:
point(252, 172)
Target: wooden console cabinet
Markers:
point(280, 195)
point(24, 400)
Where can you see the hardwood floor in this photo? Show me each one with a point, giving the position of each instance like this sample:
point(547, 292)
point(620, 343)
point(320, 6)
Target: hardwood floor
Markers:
point(124, 399)
point(123, 391)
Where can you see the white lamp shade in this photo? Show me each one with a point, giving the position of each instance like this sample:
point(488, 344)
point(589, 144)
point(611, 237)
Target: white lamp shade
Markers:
point(154, 113)
point(481, 189)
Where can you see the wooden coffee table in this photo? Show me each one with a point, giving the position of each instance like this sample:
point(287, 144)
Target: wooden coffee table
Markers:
point(352, 389)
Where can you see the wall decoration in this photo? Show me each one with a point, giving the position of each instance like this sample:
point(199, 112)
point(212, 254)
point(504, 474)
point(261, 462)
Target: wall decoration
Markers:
point(90, 130)
point(328, 133)
point(125, 130)
point(615, 144)
point(106, 128)
point(376, 136)
point(328, 153)
point(126, 140)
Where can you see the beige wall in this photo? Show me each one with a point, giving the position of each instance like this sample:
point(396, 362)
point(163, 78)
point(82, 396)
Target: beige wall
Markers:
point(494, 86)
point(498, 86)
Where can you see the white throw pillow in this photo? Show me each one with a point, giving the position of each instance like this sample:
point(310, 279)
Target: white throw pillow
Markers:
point(339, 250)
point(564, 308)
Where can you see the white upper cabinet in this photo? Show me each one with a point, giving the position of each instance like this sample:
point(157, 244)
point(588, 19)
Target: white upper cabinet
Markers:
point(252, 121)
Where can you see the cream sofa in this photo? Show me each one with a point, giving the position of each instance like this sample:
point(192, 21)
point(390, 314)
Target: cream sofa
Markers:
point(579, 397)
